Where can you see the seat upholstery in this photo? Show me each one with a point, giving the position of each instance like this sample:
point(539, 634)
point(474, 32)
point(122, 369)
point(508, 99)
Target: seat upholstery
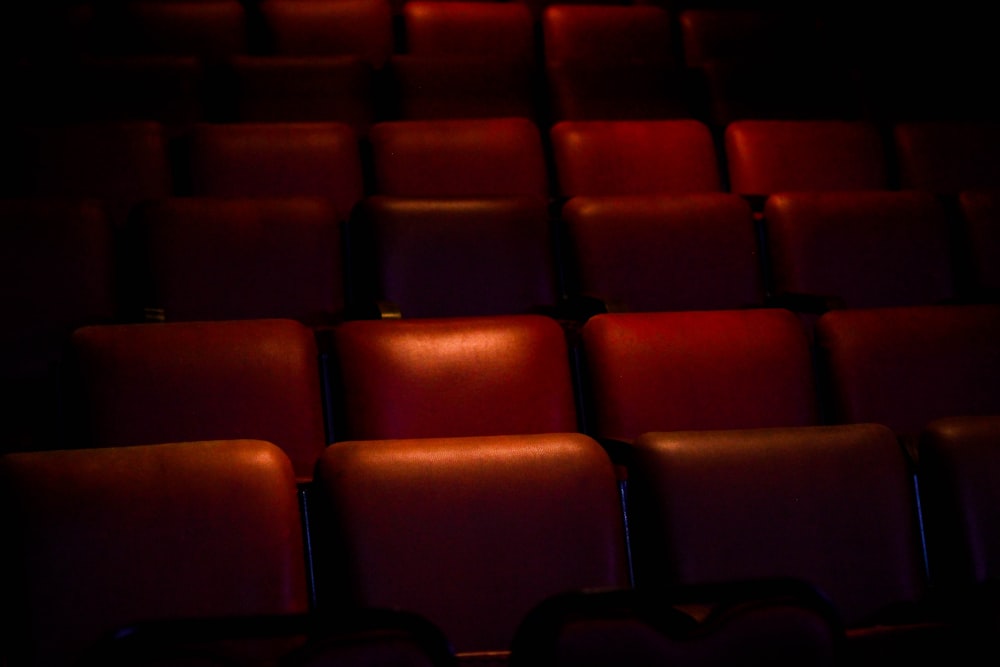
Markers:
point(102, 538)
point(905, 367)
point(224, 259)
point(769, 156)
point(277, 160)
point(634, 157)
point(453, 377)
point(489, 157)
point(980, 211)
point(497, 30)
point(696, 370)
point(663, 252)
point(211, 29)
point(449, 258)
point(329, 28)
point(944, 157)
point(830, 505)
point(864, 249)
point(150, 383)
point(469, 532)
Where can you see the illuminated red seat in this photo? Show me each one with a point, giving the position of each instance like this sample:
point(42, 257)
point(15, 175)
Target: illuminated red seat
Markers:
point(277, 160)
point(634, 157)
point(430, 378)
point(493, 157)
point(690, 370)
point(766, 157)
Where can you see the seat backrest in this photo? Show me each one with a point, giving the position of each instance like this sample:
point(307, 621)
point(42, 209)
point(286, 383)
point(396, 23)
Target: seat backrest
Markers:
point(905, 367)
point(302, 89)
point(150, 383)
point(947, 157)
point(634, 157)
point(980, 210)
point(663, 252)
point(453, 377)
point(496, 30)
point(213, 28)
point(460, 257)
point(278, 160)
point(330, 28)
point(102, 538)
point(696, 370)
point(832, 506)
point(769, 156)
point(637, 34)
point(469, 532)
point(864, 248)
point(120, 163)
point(491, 157)
point(959, 461)
point(225, 259)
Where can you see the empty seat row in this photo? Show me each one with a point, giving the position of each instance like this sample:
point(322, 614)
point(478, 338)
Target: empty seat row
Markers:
point(192, 258)
point(630, 373)
point(497, 530)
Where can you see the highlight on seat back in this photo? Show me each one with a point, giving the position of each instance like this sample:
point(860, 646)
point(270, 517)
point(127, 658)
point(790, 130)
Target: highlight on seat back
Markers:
point(497, 30)
point(769, 156)
point(469, 532)
point(905, 367)
point(103, 538)
point(662, 252)
point(768, 621)
point(860, 249)
point(443, 377)
point(696, 370)
point(458, 257)
point(634, 157)
point(830, 505)
point(150, 383)
point(238, 258)
point(487, 157)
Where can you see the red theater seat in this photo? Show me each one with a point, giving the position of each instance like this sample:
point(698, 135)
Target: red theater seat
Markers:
point(906, 367)
point(458, 257)
point(226, 259)
point(980, 211)
point(471, 533)
point(766, 157)
point(429, 378)
point(152, 383)
point(833, 506)
point(329, 28)
point(947, 157)
point(103, 538)
point(495, 157)
point(860, 249)
point(278, 160)
point(663, 252)
point(634, 157)
point(696, 370)
point(205, 28)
